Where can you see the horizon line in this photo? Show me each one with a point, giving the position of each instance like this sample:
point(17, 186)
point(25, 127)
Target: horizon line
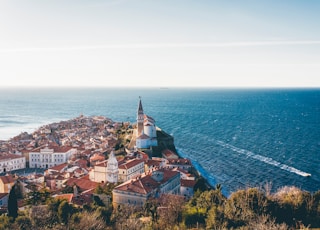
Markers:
point(157, 87)
point(165, 45)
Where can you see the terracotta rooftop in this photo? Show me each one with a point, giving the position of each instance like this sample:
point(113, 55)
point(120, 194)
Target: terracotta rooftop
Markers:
point(82, 199)
point(181, 161)
point(130, 164)
point(182, 171)
point(154, 163)
point(83, 183)
point(56, 149)
point(68, 197)
point(81, 163)
point(59, 167)
point(8, 156)
point(143, 155)
point(102, 163)
point(7, 179)
point(188, 183)
point(3, 195)
point(146, 184)
point(167, 153)
point(97, 157)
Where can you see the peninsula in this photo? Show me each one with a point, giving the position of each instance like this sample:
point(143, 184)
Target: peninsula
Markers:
point(95, 173)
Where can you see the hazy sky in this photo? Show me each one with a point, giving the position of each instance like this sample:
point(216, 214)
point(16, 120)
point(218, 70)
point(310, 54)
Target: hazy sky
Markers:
point(160, 43)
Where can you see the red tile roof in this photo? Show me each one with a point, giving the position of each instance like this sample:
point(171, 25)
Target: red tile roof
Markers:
point(168, 153)
point(8, 156)
point(181, 161)
point(68, 197)
point(7, 179)
point(130, 164)
point(146, 184)
point(83, 183)
point(59, 167)
point(3, 195)
point(102, 163)
point(82, 199)
point(188, 183)
point(56, 149)
point(97, 157)
point(154, 163)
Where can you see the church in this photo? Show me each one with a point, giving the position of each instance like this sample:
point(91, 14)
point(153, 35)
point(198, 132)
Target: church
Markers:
point(146, 133)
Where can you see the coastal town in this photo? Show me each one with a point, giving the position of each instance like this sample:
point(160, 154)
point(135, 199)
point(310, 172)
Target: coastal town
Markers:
point(94, 173)
point(73, 159)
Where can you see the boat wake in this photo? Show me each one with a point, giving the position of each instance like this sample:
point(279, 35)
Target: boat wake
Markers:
point(264, 159)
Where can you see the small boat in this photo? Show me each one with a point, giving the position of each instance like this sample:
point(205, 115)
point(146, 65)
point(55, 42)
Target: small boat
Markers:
point(306, 174)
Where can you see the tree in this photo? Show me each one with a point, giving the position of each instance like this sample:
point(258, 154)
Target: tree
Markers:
point(105, 213)
point(19, 189)
point(99, 189)
point(193, 216)
point(294, 206)
point(150, 208)
point(36, 197)
point(41, 217)
point(245, 205)
point(215, 218)
point(209, 198)
point(124, 217)
point(13, 204)
point(53, 206)
point(170, 210)
point(23, 223)
point(264, 222)
point(87, 220)
point(4, 222)
point(64, 211)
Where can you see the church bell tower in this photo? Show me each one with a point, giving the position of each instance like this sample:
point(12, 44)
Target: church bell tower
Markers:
point(140, 118)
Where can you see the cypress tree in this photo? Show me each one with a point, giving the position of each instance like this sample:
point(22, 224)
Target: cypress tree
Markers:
point(13, 203)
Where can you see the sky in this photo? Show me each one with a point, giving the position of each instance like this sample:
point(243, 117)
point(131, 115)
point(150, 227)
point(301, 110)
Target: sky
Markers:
point(164, 43)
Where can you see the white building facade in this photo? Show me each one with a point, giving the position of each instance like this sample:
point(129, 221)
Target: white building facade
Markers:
point(131, 169)
point(99, 172)
point(112, 169)
point(10, 162)
point(50, 157)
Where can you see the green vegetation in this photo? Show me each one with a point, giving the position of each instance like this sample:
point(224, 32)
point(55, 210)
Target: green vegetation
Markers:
point(252, 208)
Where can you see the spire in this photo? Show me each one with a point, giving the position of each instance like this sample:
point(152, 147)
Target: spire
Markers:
point(140, 109)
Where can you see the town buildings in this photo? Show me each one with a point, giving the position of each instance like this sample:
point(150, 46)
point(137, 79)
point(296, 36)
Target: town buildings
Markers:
point(153, 184)
point(10, 162)
point(73, 154)
point(48, 157)
point(105, 171)
point(113, 171)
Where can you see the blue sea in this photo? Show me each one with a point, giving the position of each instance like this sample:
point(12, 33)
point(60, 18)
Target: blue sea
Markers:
point(235, 137)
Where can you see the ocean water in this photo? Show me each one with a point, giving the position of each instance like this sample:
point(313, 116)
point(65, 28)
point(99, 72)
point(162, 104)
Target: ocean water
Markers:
point(235, 137)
